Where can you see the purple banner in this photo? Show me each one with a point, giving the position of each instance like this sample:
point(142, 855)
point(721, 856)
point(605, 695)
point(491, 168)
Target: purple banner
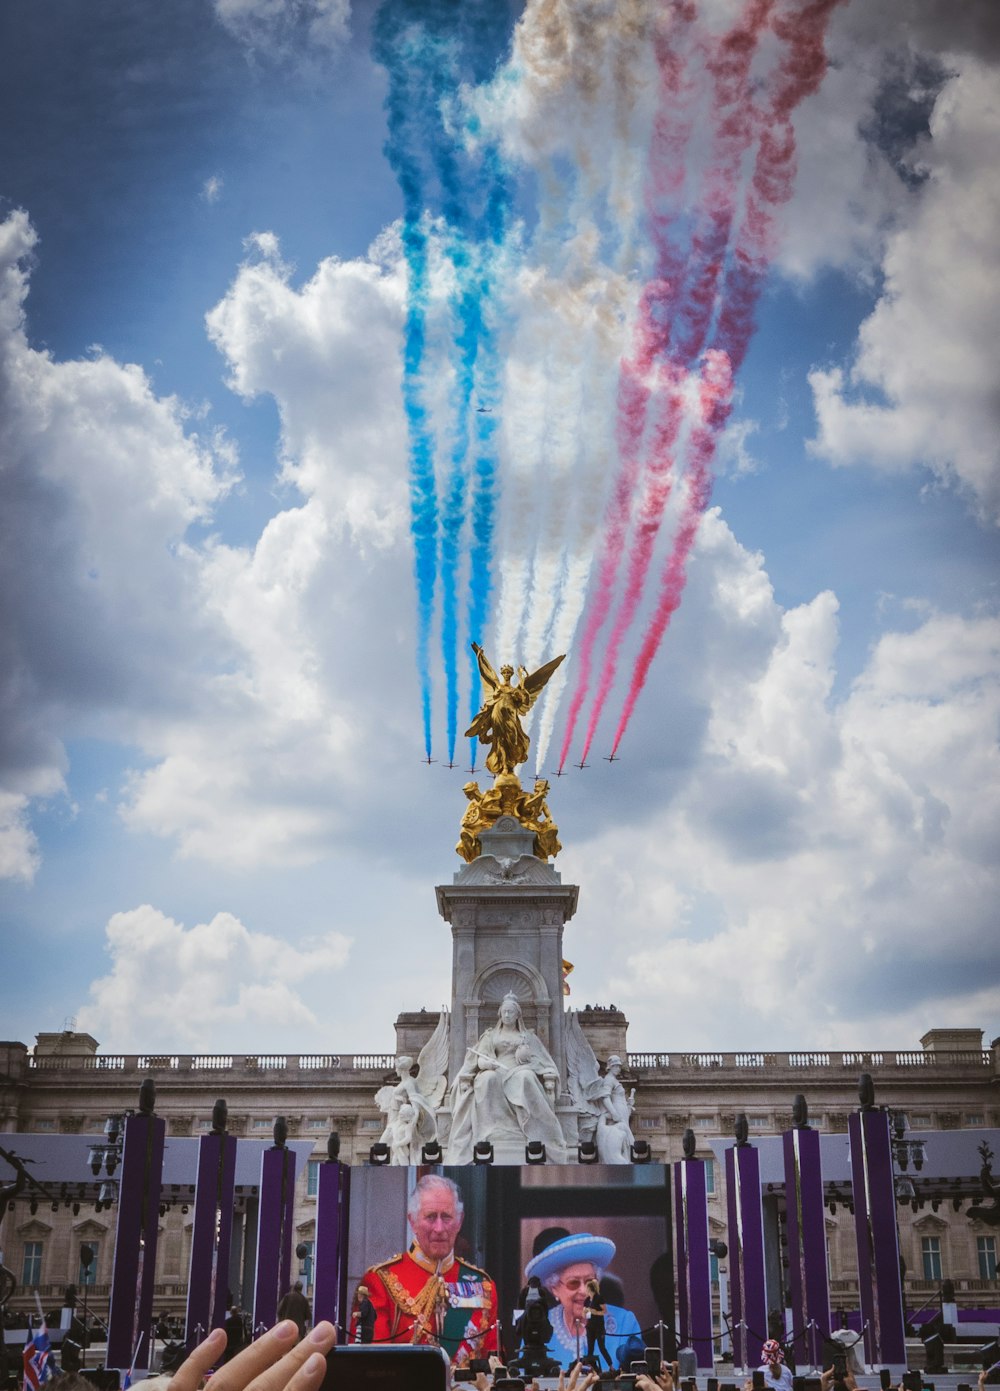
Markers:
point(211, 1237)
point(694, 1274)
point(330, 1252)
point(272, 1274)
point(748, 1284)
point(808, 1283)
point(879, 1280)
point(131, 1313)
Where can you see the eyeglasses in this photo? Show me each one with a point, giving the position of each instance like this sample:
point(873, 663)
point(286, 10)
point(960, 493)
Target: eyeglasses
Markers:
point(576, 1282)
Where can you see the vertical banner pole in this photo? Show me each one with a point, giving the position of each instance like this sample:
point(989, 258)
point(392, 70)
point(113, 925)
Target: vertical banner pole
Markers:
point(693, 1265)
point(807, 1261)
point(746, 1246)
point(211, 1237)
point(134, 1274)
point(272, 1274)
point(332, 1229)
point(879, 1280)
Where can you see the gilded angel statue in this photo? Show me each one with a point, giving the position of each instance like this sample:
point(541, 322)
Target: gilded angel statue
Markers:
point(409, 1105)
point(499, 721)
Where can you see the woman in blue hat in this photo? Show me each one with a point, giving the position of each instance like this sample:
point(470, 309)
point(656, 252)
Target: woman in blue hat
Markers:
point(565, 1268)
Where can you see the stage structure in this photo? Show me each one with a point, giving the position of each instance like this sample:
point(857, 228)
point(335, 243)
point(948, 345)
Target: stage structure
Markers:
point(748, 1280)
point(330, 1295)
point(273, 1270)
point(879, 1278)
point(131, 1309)
point(808, 1282)
point(691, 1243)
point(211, 1236)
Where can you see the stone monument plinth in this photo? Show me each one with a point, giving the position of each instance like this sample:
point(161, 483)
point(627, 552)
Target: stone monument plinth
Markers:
point(507, 910)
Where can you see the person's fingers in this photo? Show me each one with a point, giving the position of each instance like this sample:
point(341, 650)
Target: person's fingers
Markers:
point(290, 1373)
point(201, 1360)
point(257, 1359)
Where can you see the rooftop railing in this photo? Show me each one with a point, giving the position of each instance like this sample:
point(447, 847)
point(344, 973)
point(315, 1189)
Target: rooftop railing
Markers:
point(913, 1060)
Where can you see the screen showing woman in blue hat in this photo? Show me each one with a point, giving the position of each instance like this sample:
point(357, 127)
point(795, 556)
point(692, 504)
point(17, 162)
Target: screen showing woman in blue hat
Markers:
point(564, 1268)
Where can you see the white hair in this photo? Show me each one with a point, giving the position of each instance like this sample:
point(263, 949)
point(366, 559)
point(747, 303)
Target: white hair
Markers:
point(423, 1186)
point(552, 1280)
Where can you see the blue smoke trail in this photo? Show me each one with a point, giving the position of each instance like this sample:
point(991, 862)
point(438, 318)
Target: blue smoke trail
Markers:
point(430, 47)
point(396, 45)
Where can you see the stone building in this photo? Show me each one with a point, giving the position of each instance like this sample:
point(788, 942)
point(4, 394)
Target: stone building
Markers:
point(65, 1086)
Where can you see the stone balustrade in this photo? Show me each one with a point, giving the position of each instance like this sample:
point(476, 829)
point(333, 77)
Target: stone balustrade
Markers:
point(974, 1061)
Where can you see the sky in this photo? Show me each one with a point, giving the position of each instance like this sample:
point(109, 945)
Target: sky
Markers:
point(336, 336)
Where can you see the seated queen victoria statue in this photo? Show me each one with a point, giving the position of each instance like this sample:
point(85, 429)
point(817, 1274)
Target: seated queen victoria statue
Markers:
point(506, 1091)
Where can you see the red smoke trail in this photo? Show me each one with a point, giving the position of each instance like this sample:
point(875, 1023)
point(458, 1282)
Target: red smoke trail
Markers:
point(670, 136)
point(800, 70)
point(693, 309)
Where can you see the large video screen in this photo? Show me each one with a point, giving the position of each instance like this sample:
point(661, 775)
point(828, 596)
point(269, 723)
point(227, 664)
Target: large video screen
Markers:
point(566, 1224)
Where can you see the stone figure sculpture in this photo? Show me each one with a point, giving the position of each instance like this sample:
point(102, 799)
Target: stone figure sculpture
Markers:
point(499, 721)
point(601, 1101)
point(506, 1090)
point(409, 1105)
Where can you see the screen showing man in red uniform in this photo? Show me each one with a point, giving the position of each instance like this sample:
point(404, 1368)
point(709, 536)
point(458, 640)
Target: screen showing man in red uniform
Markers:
point(427, 1294)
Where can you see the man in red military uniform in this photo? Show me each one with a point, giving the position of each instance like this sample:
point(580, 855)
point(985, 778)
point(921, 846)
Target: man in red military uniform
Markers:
point(427, 1295)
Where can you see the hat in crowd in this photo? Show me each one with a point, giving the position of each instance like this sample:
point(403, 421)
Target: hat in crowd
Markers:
point(569, 1250)
point(771, 1351)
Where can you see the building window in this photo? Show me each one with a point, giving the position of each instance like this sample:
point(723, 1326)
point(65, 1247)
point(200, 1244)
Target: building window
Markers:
point(258, 1124)
point(649, 1122)
point(709, 1176)
point(758, 1122)
point(986, 1250)
point(315, 1124)
point(31, 1269)
point(306, 1268)
point(45, 1124)
point(713, 1267)
point(704, 1122)
point(312, 1177)
point(930, 1250)
point(975, 1118)
point(87, 1275)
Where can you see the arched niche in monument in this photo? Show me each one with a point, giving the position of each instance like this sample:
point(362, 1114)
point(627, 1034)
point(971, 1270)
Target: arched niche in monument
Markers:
point(493, 982)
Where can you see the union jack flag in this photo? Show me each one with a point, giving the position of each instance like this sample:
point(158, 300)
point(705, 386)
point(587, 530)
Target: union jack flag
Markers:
point(39, 1362)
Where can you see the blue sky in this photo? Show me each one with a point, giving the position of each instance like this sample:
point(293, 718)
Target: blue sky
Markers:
point(215, 828)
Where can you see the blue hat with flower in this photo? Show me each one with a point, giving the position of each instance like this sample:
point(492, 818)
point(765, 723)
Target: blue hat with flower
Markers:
point(569, 1250)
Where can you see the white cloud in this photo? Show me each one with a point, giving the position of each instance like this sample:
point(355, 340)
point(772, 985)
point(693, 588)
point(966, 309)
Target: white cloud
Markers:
point(832, 862)
point(101, 480)
point(216, 985)
point(211, 189)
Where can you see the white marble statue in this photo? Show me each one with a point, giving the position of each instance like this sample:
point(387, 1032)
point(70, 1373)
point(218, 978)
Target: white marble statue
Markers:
point(506, 1091)
point(409, 1104)
point(604, 1107)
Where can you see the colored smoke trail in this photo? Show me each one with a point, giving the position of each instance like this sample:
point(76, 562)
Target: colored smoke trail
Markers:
point(692, 308)
point(801, 67)
point(392, 45)
point(580, 75)
point(429, 49)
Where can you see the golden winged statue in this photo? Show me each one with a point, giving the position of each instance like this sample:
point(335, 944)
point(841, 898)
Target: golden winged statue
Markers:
point(499, 721)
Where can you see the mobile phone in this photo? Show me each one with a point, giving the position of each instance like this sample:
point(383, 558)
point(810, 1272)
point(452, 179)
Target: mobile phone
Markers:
point(627, 1381)
point(712, 1384)
point(912, 1381)
point(798, 1384)
point(508, 1384)
point(653, 1361)
point(884, 1378)
point(689, 1384)
point(758, 1380)
point(638, 1367)
point(839, 1366)
point(388, 1367)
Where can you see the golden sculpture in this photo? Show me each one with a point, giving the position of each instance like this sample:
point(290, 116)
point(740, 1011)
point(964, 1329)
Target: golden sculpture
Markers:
point(499, 721)
point(499, 725)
